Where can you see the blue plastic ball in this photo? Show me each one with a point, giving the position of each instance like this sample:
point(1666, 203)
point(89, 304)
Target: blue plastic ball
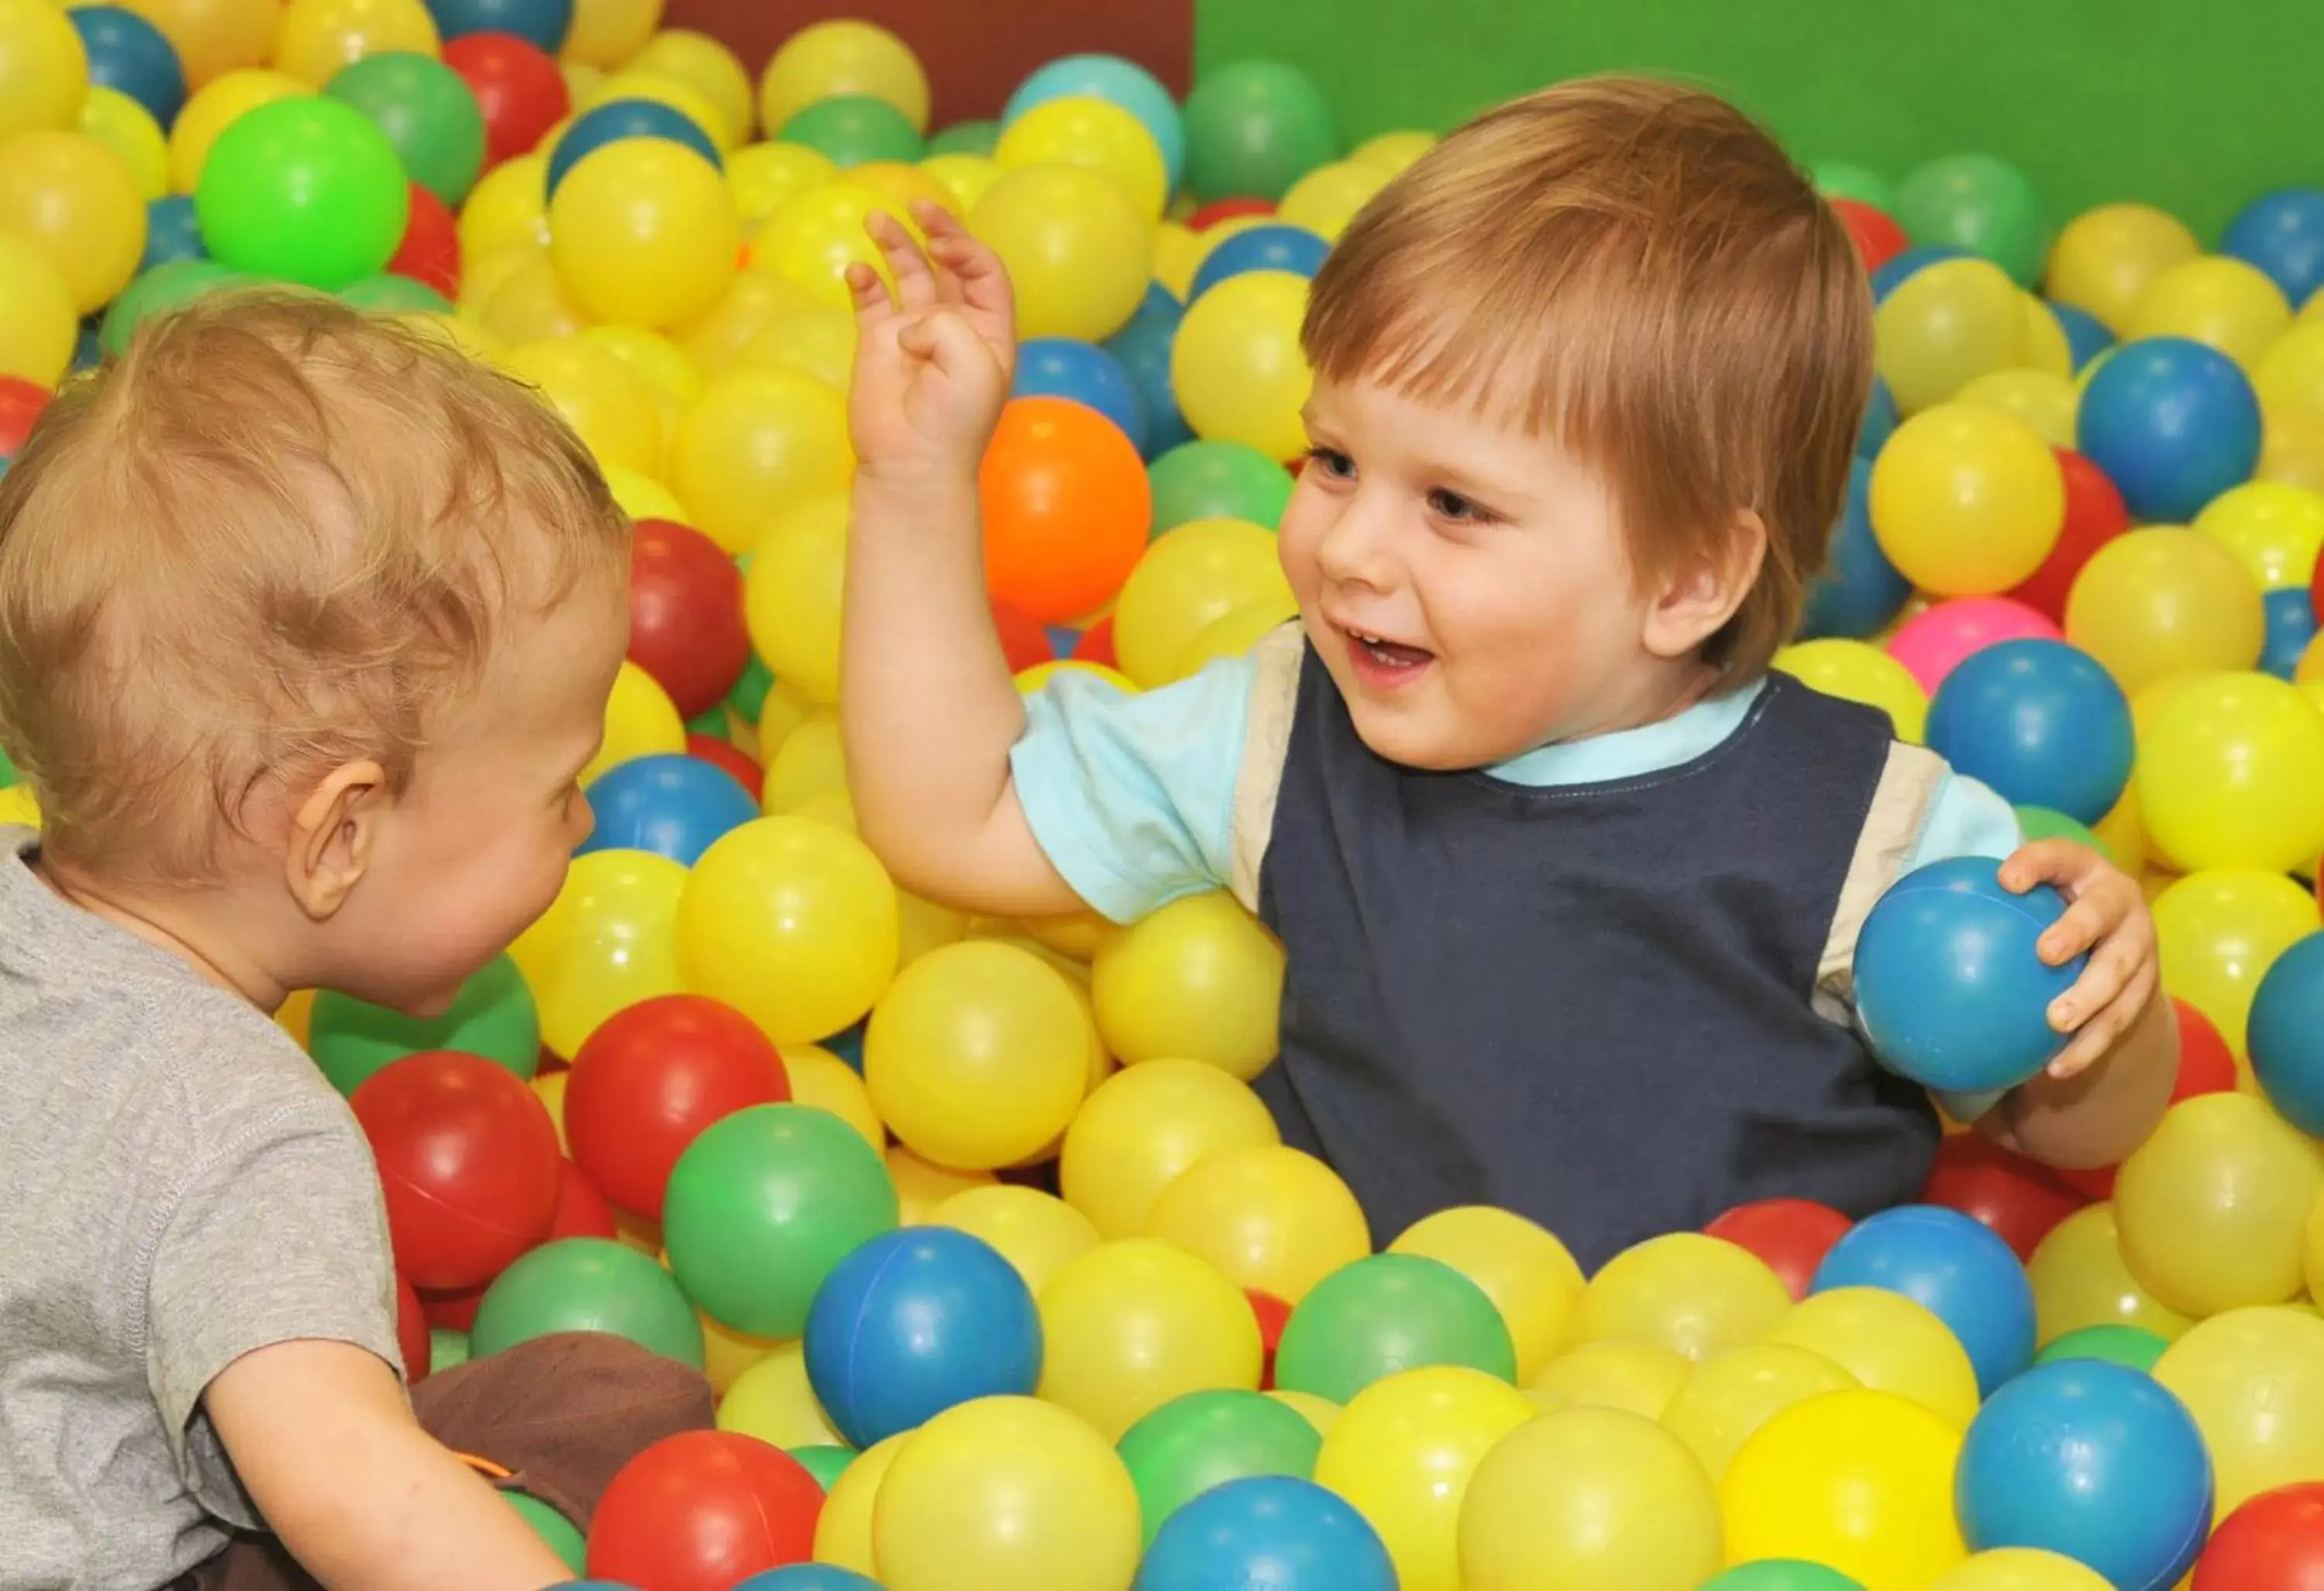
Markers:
point(673, 806)
point(2094, 1461)
point(847, 1044)
point(1953, 1267)
point(2172, 423)
point(1276, 247)
point(2290, 626)
point(1143, 350)
point(1949, 985)
point(1118, 81)
point(1860, 589)
point(2286, 1034)
point(1065, 367)
point(1879, 421)
point(544, 23)
point(2086, 335)
point(914, 1322)
point(593, 1585)
point(807, 1576)
point(2041, 722)
point(130, 55)
point(171, 233)
point(1892, 275)
point(2282, 233)
point(617, 119)
point(1268, 1532)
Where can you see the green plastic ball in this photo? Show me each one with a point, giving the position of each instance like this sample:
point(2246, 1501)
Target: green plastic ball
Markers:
point(1980, 204)
point(170, 286)
point(1254, 128)
point(763, 1205)
point(389, 294)
point(1838, 180)
point(1207, 1439)
point(713, 722)
point(749, 697)
point(1781, 1574)
point(2133, 1347)
point(428, 113)
point(553, 1528)
point(493, 1016)
point(446, 1348)
point(303, 190)
point(1386, 1315)
point(7, 769)
point(975, 138)
point(587, 1284)
point(1217, 480)
point(825, 1461)
point(2041, 823)
point(854, 128)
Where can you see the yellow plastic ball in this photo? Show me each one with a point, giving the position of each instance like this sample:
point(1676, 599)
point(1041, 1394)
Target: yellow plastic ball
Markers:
point(2081, 1279)
point(1078, 249)
point(1640, 1376)
point(2214, 1206)
point(761, 176)
point(2219, 932)
point(1131, 1325)
point(631, 83)
point(1177, 255)
point(607, 33)
point(212, 109)
point(792, 924)
point(811, 238)
point(1190, 578)
point(829, 59)
point(2045, 399)
point(1037, 677)
point(821, 1079)
point(1327, 199)
point(1858, 671)
point(641, 497)
point(1945, 325)
point(507, 211)
point(1321, 1413)
point(2162, 600)
point(2229, 303)
point(843, 1530)
point(531, 305)
point(791, 595)
point(608, 404)
point(964, 178)
point(1861, 1481)
point(1589, 1500)
point(1268, 1216)
point(726, 1353)
point(1006, 1492)
point(1036, 1232)
point(1967, 500)
point(2277, 530)
point(903, 186)
point(1529, 1275)
point(2229, 770)
point(2105, 259)
point(1394, 151)
point(43, 69)
point(1096, 135)
point(18, 806)
point(2254, 1380)
point(1403, 1453)
point(1235, 633)
point(1725, 1400)
point(2046, 348)
point(1890, 1343)
point(1697, 1296)
point(756, 442)
point(639, 722)
point(1237, 364)
point(751, 300)
point(702, 64)
point(643, 232)
point(124, 128)
point(818, 340)
point(667, 368)
point(608, 942)
point(320, 37)
point(977, 1055)
point(772, 1402)
point(1199, 980)
point(2289, 376)
point(2293, 449)
point(213, 37)
point(922, 1185)
point(2021, 1568)
point(38, 326)
point(1143, 1126)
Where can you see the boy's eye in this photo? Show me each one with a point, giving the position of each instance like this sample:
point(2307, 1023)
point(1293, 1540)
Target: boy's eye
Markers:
point(1451, 505)
point(1333, 463)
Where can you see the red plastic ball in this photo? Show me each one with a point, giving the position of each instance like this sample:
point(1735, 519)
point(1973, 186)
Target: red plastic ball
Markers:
point(517, 86)
point(21, 402)
point(2016, 1199)
point(1096, 645)
point(452, 1311)
point(430, 253)
point(1024, 643)
point(701, 1510)
point(1227, 209)
point(724, 754)
point(1067, 509)
point(411, 1330)
point(581, 1211)
point(1272, 1313)
point(2273, 1542)
point(2315, 590)
point(2206, 1066)
point(650, 1078)
point(2094, 516)
point(685, 614)
point(1874, 232)
point(467, 1161)
point(1791, 1235)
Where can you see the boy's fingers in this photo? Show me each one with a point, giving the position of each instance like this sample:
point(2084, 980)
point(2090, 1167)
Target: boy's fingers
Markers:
point(2104, 1030)
point(2039, 861)
point(916, 286)
point(2083, 925)
point(2107, 982)
point(868, 292)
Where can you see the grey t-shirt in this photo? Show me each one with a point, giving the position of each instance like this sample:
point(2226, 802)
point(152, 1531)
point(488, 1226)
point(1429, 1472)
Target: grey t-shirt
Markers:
point(178, 1186)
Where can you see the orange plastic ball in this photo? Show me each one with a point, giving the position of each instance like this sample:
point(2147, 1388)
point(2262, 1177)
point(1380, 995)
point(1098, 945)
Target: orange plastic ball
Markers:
point(1067, 506)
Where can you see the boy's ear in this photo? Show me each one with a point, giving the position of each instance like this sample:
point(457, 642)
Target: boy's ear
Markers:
point(1704, 592)
point(334, 835)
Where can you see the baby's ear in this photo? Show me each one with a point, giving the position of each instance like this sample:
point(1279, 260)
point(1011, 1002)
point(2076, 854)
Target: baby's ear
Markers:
point(334, 835)
point(1705, 587)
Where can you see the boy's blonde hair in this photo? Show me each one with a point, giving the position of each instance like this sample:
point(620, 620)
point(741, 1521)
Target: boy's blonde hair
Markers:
point(275, 537)
point(1638, 269)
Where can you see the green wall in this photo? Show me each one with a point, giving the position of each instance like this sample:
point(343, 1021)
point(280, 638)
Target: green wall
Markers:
point(2193, 106)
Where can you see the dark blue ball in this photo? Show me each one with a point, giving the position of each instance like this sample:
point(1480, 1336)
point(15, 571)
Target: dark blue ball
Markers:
point(544, 23)
point(2172, 423)
point(1879, 421)
point(617, 119)
point(2087, 336)
point(1275, 247)
point(672, 805)
point(2041, 722)
point(807, 1576)
point(171, 233)
point(1948, 984)
point(2094, 1461)
point(1859, 590)
point(1891, 276)
point(1143, 350)
point(2282, 233)
point(131, 56)
point(2290, 626)
point(847, 1044)
point(1952, 1266)
point(1065, 367)
point(914, 1322)
point(1267, 1532)
point(2286, 1031)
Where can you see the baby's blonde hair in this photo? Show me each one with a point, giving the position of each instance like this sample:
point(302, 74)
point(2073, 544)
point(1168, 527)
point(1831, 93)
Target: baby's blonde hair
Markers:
point(276, 535)
point(1638, 269)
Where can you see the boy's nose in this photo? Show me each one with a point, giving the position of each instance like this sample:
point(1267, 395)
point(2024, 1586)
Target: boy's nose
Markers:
point(1355, 550)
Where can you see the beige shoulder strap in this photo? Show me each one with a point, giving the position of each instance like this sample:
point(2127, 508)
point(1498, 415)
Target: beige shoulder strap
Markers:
point(1274, 698)
point(1900, 812)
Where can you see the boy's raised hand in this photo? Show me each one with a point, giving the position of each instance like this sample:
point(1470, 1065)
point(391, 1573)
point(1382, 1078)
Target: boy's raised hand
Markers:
point(2106, 915)
point(933, 358)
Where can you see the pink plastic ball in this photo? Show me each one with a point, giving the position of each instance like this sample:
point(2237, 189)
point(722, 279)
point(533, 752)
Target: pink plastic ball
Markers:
point(1930, 642)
